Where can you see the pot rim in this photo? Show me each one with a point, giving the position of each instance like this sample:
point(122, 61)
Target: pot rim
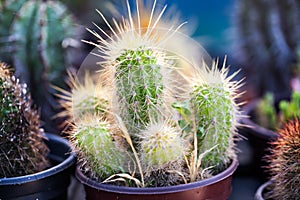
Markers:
point(66, 163)
point(258, 130)
point(157, 190)
point(260, 191)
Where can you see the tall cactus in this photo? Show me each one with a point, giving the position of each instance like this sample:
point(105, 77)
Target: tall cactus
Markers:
point(265, 37)
point(284, 162)
point(22, 150)
point(37, 41)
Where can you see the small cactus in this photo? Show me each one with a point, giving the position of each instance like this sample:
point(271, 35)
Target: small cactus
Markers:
point(22, 150)
point(94, 143)
point(284, 162)
point(216, 116)
point(37, 44)
point(161, 144)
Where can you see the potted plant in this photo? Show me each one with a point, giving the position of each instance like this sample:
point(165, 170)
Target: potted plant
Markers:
point(266, 115)
point(283, 164)
point(152, 124)
point(33, 165)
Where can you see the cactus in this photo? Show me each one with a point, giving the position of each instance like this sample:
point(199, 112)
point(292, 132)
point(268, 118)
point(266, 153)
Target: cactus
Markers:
point(265, 38)
point(161, 144)
point(216, 115)
point(38, 48)
point(22, 148)
point(140, 87)
point(284, 162)
point(96, 148)
point(155, 109)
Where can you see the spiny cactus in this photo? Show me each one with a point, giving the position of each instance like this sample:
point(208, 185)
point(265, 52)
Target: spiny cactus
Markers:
point(37, 40)
point(22, 150)
point(160, 145)
point(265, 37)
point(284, 162)
point(140, 87)
point(216, 116)
point(157, 108)
point(96, 148)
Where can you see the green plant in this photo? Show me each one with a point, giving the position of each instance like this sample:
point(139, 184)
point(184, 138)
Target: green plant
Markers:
point(269, 117)
point(35, 36)
point(284, 162)
point(174, 123)
point(22, 150)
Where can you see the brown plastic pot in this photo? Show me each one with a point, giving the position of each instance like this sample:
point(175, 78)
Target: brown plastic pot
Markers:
point(217, 187)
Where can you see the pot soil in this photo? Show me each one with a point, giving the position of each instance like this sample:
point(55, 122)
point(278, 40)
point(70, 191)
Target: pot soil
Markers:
point(51, 183)
point(217, 187)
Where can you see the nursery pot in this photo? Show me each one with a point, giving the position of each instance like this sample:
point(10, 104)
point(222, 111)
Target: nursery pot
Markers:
point(217, 187)
point(258, 138)
point(51, 183)
point(262, 190)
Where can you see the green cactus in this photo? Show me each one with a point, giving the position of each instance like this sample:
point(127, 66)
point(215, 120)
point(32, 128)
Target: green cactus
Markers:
point(8, 11)
point(176, 121)
point(140, 87)
point(22, 150)
point(161, 144)
point(291, 109)
point(284, 162)
point(96, 148)
point(266, 112)
point(37, 41)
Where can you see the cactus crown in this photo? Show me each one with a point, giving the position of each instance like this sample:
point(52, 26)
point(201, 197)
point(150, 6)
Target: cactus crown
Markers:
point(165, 119)
point(284, 162)
point(22, 149)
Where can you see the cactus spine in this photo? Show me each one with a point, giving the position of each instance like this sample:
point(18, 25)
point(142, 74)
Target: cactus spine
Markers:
point(139, 87)
point(284, 162)
point(22, 149)
point(38, 50)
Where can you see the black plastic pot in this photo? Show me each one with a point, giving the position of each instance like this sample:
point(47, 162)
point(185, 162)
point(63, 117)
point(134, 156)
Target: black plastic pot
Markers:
point(258, 138)
point(217, 187)
point(262, 190)
point(51, 183)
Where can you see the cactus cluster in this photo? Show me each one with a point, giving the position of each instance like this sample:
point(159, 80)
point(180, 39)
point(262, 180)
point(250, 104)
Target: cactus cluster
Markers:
point(35, 36)
point(284, 162)
point(266, 37)
point(22, 150)
point(161, 126)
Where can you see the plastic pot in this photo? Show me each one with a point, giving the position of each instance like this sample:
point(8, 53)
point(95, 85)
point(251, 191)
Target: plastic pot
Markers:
point(51, 183)
point(258, 139)
point(217, 187)
point(262, 190)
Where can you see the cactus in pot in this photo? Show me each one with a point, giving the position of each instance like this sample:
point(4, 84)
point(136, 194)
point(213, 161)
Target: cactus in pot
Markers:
point(162, 120)
point(36, 36)
point(22, 148)
point(283, 162)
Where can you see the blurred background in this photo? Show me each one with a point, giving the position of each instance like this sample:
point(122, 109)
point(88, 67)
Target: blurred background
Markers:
point(260, 37)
